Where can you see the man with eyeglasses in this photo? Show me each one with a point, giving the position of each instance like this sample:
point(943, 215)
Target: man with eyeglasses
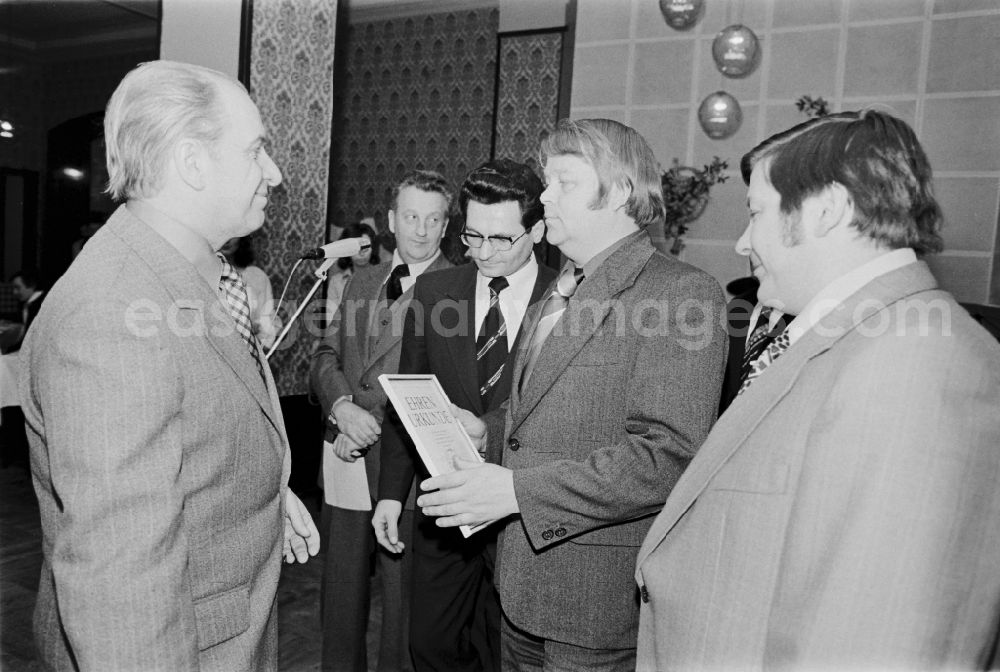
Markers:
point(363, 343)
point(470, 331)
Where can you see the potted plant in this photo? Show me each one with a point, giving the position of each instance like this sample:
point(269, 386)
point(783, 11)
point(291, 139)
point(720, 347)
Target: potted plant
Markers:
point(685, 193)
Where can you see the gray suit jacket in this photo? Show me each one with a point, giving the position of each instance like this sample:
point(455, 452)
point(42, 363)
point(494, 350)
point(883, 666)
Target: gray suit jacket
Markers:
point(844, 512)
point(623, 393)
point(363, 343)
point(160, 462)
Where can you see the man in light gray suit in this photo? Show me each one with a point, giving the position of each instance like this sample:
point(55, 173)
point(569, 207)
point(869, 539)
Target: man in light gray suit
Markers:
point(158, 450)
point(844, 512)
point(613, 390)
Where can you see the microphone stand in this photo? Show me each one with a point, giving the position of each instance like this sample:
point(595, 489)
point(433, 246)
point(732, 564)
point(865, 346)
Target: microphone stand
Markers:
point(321, 275)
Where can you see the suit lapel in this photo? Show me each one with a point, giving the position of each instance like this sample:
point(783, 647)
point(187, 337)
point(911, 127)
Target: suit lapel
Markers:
point(383, 339)
point(539, 291)
point(197, 303)
point(587, 310)
point(749, 409)
point(462, 347)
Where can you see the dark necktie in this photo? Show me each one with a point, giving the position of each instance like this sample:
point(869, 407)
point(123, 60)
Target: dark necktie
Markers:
point(394, 288)
point(235, 292)
point(491, 345)
point(555, 306)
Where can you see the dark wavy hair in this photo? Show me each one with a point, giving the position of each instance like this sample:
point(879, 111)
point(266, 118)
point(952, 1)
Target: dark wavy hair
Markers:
point(357, 230)
point(875, 157)
point(503, 180)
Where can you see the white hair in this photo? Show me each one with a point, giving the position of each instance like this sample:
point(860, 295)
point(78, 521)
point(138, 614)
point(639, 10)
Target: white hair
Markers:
point(155, 105)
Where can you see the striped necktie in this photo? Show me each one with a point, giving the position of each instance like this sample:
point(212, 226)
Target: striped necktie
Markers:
point(555, 306)
point(235, 292)
point(491, 345)
point(771, 353)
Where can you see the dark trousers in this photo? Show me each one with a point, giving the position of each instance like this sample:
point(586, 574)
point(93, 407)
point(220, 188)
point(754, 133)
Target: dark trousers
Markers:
point(349, 543)
point(455, 614)
point(524, 652)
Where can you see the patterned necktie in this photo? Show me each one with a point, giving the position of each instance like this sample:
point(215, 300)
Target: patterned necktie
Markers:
point(491, 346)
point(394, 288)
point(555, 306)
point(771, 353)
point(235, 292)
point(759, 339)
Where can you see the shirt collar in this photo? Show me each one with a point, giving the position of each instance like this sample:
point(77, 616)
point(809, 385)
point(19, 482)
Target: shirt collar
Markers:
point(415, 269)
point(838, 291)
point(190, 244)
point(523, 276)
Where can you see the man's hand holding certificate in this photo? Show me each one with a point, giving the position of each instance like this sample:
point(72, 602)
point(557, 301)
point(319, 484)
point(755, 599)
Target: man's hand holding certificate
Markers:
point(449, 441)
point(476, 494)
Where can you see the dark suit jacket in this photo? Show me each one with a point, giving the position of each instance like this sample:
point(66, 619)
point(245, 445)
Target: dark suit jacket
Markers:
point(446, 348)
point(160, 461)
point(362, 344)
point(622, 395)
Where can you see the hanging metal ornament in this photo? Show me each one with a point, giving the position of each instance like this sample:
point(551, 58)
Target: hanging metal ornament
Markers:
point(736, 51)
point(720, 115)
point(682, 14)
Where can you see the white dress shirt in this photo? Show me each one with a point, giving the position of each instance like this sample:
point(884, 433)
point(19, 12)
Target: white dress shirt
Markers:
point(415, 270)
point(514, 299)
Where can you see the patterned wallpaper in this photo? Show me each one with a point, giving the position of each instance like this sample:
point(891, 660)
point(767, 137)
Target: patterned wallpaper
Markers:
point(291, 80)
point(528, 93)
point(415, 92)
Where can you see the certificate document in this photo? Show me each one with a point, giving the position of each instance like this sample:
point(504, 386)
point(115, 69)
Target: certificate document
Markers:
point(437, 434)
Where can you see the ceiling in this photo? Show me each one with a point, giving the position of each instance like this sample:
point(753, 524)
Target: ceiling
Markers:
point(40, 24)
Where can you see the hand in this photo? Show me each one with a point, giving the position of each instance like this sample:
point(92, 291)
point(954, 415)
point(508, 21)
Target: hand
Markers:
point(357, 423)
point(301, 535)
point(385, 520)
point(473, 426)
point(477, 493)
point(346, 449)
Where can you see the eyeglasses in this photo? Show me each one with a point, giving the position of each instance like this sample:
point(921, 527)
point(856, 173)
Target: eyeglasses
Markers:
point(499, 243)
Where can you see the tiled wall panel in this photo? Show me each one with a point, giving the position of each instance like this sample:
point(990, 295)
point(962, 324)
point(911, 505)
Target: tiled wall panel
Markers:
point(931, 62)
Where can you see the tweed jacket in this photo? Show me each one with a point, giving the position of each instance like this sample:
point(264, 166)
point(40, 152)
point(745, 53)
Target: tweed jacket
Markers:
point(362, 344)
point(844, 511)
point(160, 462)
point(623, 392)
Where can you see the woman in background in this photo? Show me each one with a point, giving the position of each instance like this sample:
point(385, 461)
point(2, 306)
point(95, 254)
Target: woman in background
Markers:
point(263, 315)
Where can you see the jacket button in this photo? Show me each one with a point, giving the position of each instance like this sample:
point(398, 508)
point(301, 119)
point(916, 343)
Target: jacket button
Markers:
point(513, 444)
point(560, 531)
point(365, 386)
point(546, 535)
point(645, 594)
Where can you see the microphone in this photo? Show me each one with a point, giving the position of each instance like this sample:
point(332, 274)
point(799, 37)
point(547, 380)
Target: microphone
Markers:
point(345, 247)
